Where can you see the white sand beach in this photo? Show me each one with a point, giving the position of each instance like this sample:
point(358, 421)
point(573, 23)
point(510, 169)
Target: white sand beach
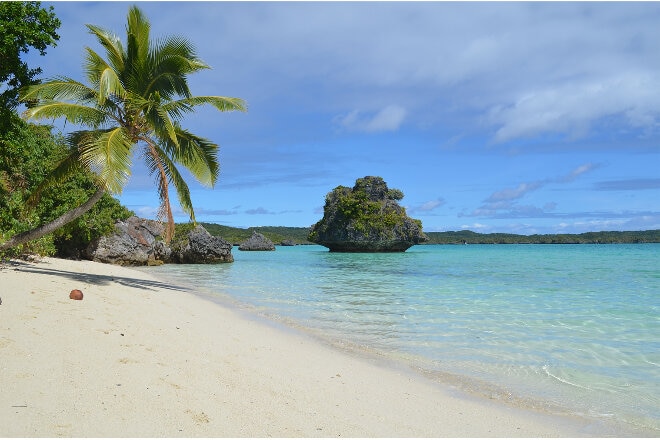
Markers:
point(140, 358)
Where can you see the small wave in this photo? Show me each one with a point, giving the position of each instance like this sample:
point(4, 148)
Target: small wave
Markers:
point(545, 369)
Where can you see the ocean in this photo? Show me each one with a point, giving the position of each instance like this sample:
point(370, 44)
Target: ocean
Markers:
point(567, 329)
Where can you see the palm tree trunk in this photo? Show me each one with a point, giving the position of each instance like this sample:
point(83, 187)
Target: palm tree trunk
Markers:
point(46, 229)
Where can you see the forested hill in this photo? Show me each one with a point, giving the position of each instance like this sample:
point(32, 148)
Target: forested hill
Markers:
point(604, 237)
point(277, 234)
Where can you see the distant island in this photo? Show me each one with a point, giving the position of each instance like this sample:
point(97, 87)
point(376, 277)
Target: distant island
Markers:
point(298, 235)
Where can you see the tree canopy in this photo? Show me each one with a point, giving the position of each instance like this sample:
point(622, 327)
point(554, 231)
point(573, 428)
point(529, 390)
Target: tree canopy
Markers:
point(23, 25)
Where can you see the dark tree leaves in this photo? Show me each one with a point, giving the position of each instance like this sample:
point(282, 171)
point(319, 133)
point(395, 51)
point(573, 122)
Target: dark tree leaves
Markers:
point(23, 26)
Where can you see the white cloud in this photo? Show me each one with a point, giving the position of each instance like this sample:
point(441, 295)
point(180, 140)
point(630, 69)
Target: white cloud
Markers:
point(427, 207)
point(431, 205)
point(509, 194)
point(572, 108)
point(577, 172)
point(389, 118)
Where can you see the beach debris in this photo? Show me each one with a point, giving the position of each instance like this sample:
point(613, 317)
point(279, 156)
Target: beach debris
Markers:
point(76, 294)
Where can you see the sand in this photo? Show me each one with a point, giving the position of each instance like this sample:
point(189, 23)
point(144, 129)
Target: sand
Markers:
point(140, 358)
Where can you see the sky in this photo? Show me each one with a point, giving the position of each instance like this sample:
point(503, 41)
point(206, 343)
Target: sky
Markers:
point(526, 118)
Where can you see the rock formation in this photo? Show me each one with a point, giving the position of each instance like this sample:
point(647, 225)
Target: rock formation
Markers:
point(133, 243)
point(138, 242)
point(366, 218)
point(198, 246)
point(257, 243)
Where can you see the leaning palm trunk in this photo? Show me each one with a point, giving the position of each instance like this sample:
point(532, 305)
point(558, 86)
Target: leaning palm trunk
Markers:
point(48, 228)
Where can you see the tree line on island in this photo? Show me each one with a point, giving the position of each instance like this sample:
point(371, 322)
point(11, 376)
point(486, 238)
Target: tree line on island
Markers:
point(299, 235)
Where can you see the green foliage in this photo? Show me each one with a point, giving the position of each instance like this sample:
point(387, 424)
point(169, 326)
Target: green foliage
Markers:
point(276, 234)
point(369, 208)
point(27, 154)
point(395, 194)
point(23, 25)
point(97, 222)
point(181, 230)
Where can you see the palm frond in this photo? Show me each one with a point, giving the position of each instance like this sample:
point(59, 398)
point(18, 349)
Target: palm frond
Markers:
point(103, 76)
point(159, 120)
point(222, 103)
point(167, 84)
point(74, 113)
point(93, 66)
point(108, 153)
point(163, 166)
point(59, 88)
point(170, 61)
point(197, 154)
point(112, 45)
point(137, 39)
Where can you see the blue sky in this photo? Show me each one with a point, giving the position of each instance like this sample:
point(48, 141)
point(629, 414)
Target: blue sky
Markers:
point(494, 117)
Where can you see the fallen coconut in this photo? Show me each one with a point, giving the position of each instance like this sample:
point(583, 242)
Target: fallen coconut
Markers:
point(76, 294)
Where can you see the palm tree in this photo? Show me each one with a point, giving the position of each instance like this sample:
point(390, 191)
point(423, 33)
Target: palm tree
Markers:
point(136, 98)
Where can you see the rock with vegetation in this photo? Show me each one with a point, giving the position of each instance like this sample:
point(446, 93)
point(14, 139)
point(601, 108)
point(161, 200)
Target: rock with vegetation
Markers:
point(197, 246)
point(139, 242)
point(366, 218)
point(258, 242)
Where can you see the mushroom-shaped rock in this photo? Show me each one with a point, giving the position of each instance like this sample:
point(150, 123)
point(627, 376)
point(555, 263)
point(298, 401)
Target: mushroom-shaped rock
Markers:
point(366, 218)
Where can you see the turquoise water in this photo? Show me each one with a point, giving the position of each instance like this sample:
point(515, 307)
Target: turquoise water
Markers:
point(565, 328)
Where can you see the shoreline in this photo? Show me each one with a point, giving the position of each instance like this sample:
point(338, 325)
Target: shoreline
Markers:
point(142, 357)
point(458, 385)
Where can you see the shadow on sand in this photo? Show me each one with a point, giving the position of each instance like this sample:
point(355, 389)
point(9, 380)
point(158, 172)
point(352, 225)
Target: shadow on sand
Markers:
point(98, 280)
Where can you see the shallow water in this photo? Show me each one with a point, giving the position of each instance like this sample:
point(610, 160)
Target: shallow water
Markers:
point(567, 328)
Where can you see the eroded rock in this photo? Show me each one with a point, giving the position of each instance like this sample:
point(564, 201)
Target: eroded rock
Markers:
point(366, 218)
point(139, 242)
point(258, 242)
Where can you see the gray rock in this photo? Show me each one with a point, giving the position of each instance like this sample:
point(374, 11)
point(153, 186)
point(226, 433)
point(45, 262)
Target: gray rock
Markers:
point(198, 246)
point(131, 244)
point(288, 242)
point(138, 242)
point(257, 243)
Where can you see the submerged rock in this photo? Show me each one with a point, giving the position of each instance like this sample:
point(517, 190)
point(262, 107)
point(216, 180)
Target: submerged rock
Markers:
point(258, 242)
point(366, 218)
